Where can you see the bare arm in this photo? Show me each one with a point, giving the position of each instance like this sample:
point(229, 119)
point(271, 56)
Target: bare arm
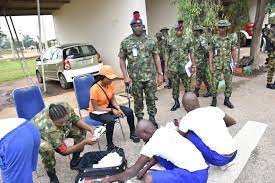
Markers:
point(81, 124)
point(130, 172)
point(234, 54)
point(146, 168)
point(229, 121)
point(77, 147)
point(122, 64)
point(157, 63)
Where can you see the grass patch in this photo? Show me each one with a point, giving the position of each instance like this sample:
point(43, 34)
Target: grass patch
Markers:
point(11, 70)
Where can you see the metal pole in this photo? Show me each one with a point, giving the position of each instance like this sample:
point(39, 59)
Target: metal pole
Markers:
point(40, 44)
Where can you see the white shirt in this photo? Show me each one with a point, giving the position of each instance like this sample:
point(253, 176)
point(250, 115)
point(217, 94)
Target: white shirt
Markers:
point(9, 124)
point(170, 145)
point(208, 124)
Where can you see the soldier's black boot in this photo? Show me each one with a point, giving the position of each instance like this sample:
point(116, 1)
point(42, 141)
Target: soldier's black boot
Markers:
point(75, 160)
point(169, 85)
point(214, 101)
point(176, 104)
point(196, 91)
point(52, 176)
point(208, 87)
point(153, 120)
point(228, 103)
point(270, 86)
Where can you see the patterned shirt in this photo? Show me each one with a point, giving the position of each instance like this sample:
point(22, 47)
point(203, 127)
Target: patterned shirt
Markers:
point(201, 50)
point(51, 133)
point(139, 52)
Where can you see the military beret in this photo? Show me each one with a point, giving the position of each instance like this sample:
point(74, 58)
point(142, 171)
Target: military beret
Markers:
point(223, 23)
point(197, 27)
point(158, 34)
point(136, 18)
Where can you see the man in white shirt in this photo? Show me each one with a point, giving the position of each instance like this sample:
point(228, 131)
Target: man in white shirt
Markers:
point(19, 146)
point(182, 161)
point(206, 128)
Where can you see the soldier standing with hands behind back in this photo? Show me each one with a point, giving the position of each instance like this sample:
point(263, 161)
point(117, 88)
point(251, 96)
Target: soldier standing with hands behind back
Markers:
point(143, 59)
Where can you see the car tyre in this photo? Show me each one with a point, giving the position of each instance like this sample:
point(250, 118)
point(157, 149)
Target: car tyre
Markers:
point(63, 82)
point(39, 77)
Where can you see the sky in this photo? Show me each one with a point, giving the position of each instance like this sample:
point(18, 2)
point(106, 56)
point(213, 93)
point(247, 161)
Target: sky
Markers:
point(29, 25)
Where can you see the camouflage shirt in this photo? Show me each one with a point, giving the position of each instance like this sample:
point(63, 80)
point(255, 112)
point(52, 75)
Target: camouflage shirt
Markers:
point(222, 48)
point(51, 133)
point(178, 51)
point(201, 50)
point(271, 38)
point(162, 44)
point(139, 52)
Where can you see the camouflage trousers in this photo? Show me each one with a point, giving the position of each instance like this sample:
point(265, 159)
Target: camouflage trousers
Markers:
point(271, 70)
point(47, 151)
point(202, 75)
point(217, 78)
point(149, 88)
point(176, 78)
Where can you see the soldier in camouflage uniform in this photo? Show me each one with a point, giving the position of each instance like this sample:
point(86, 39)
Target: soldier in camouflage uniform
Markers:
point(143, 59)
point(222, 48)
point(165, 34)
point(201, 51)
point(162, 47)
point(271, 52)
point(178, 52)
point(56, 123)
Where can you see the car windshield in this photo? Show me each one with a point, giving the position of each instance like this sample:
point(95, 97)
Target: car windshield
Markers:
point(79, 51)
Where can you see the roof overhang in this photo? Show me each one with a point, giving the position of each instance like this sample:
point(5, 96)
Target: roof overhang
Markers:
point(29, 7)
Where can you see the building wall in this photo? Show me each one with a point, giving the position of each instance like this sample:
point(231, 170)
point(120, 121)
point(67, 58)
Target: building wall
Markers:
point(103, 23)
point(252, 11)
point(160, 13)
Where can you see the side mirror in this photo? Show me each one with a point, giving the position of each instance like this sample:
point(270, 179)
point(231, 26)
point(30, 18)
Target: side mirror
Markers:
point(38, 59)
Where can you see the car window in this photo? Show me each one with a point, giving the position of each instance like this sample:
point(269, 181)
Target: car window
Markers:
point(88, 50)
point(48, 54)
point(56, 54)
point(72, 52)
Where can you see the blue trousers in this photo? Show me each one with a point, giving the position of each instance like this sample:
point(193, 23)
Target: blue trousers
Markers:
point(209, 155)
point(19, 153)
point(174, 174)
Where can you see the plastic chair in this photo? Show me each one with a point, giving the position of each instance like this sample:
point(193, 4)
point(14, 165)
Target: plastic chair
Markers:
point(28, 101)
point(82, 85)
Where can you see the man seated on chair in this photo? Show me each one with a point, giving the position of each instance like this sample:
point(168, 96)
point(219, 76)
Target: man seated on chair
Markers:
point(102, 96)
point(56, 123)
point(183, 162)
point(206, 128)
point(19, 145)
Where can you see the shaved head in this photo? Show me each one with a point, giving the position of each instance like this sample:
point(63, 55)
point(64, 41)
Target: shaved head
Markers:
point(190, 101)
point(145, 129)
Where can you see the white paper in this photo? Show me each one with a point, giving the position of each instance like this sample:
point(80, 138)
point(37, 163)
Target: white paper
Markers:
point(110, 160)
point(134, 52)
point(99, 112)
point(98, 132)
point(188, 68)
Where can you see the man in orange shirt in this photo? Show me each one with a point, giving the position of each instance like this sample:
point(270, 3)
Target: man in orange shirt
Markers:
point(104, 107)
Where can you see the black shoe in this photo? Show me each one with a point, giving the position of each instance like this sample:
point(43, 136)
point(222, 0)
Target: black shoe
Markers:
point(214, 101)
point(270, 86)
point(139, 118)
point(208, 94)
point(53, 177)
point(196, 91)
point(228, 103)
point(156, 98)
point(111, 147)
point(75, 160)
point(153, 120)
point(176, 104)
point(134, 137)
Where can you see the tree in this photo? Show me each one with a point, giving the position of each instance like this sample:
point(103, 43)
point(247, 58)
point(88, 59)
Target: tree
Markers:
point(258, 24)
point(28, 41)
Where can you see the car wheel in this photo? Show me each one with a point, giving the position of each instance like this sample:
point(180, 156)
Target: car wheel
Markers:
point(39, 77)
point(63, 82)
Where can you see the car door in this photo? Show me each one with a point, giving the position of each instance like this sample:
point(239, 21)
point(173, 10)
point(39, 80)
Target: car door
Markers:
point(56, 63)
point(46, 59)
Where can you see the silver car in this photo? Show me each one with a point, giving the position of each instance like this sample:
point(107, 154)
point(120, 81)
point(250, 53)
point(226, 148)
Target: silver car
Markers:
point(62, 63)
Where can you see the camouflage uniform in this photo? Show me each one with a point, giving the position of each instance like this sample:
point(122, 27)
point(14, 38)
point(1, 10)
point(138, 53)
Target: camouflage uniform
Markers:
point(271, 56)
point(222, 47)
point(52, 136)
point(201, 49)
point(142, 71)
point(161, 44)
point(178, 51)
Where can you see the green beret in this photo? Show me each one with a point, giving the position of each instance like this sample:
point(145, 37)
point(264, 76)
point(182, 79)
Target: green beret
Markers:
point(223, 23)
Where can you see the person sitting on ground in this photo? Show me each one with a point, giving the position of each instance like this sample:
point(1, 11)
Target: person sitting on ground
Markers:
point(102, 96)
point(19, 146)
point(183, 162)
point(56, 123)
point(206, 128)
